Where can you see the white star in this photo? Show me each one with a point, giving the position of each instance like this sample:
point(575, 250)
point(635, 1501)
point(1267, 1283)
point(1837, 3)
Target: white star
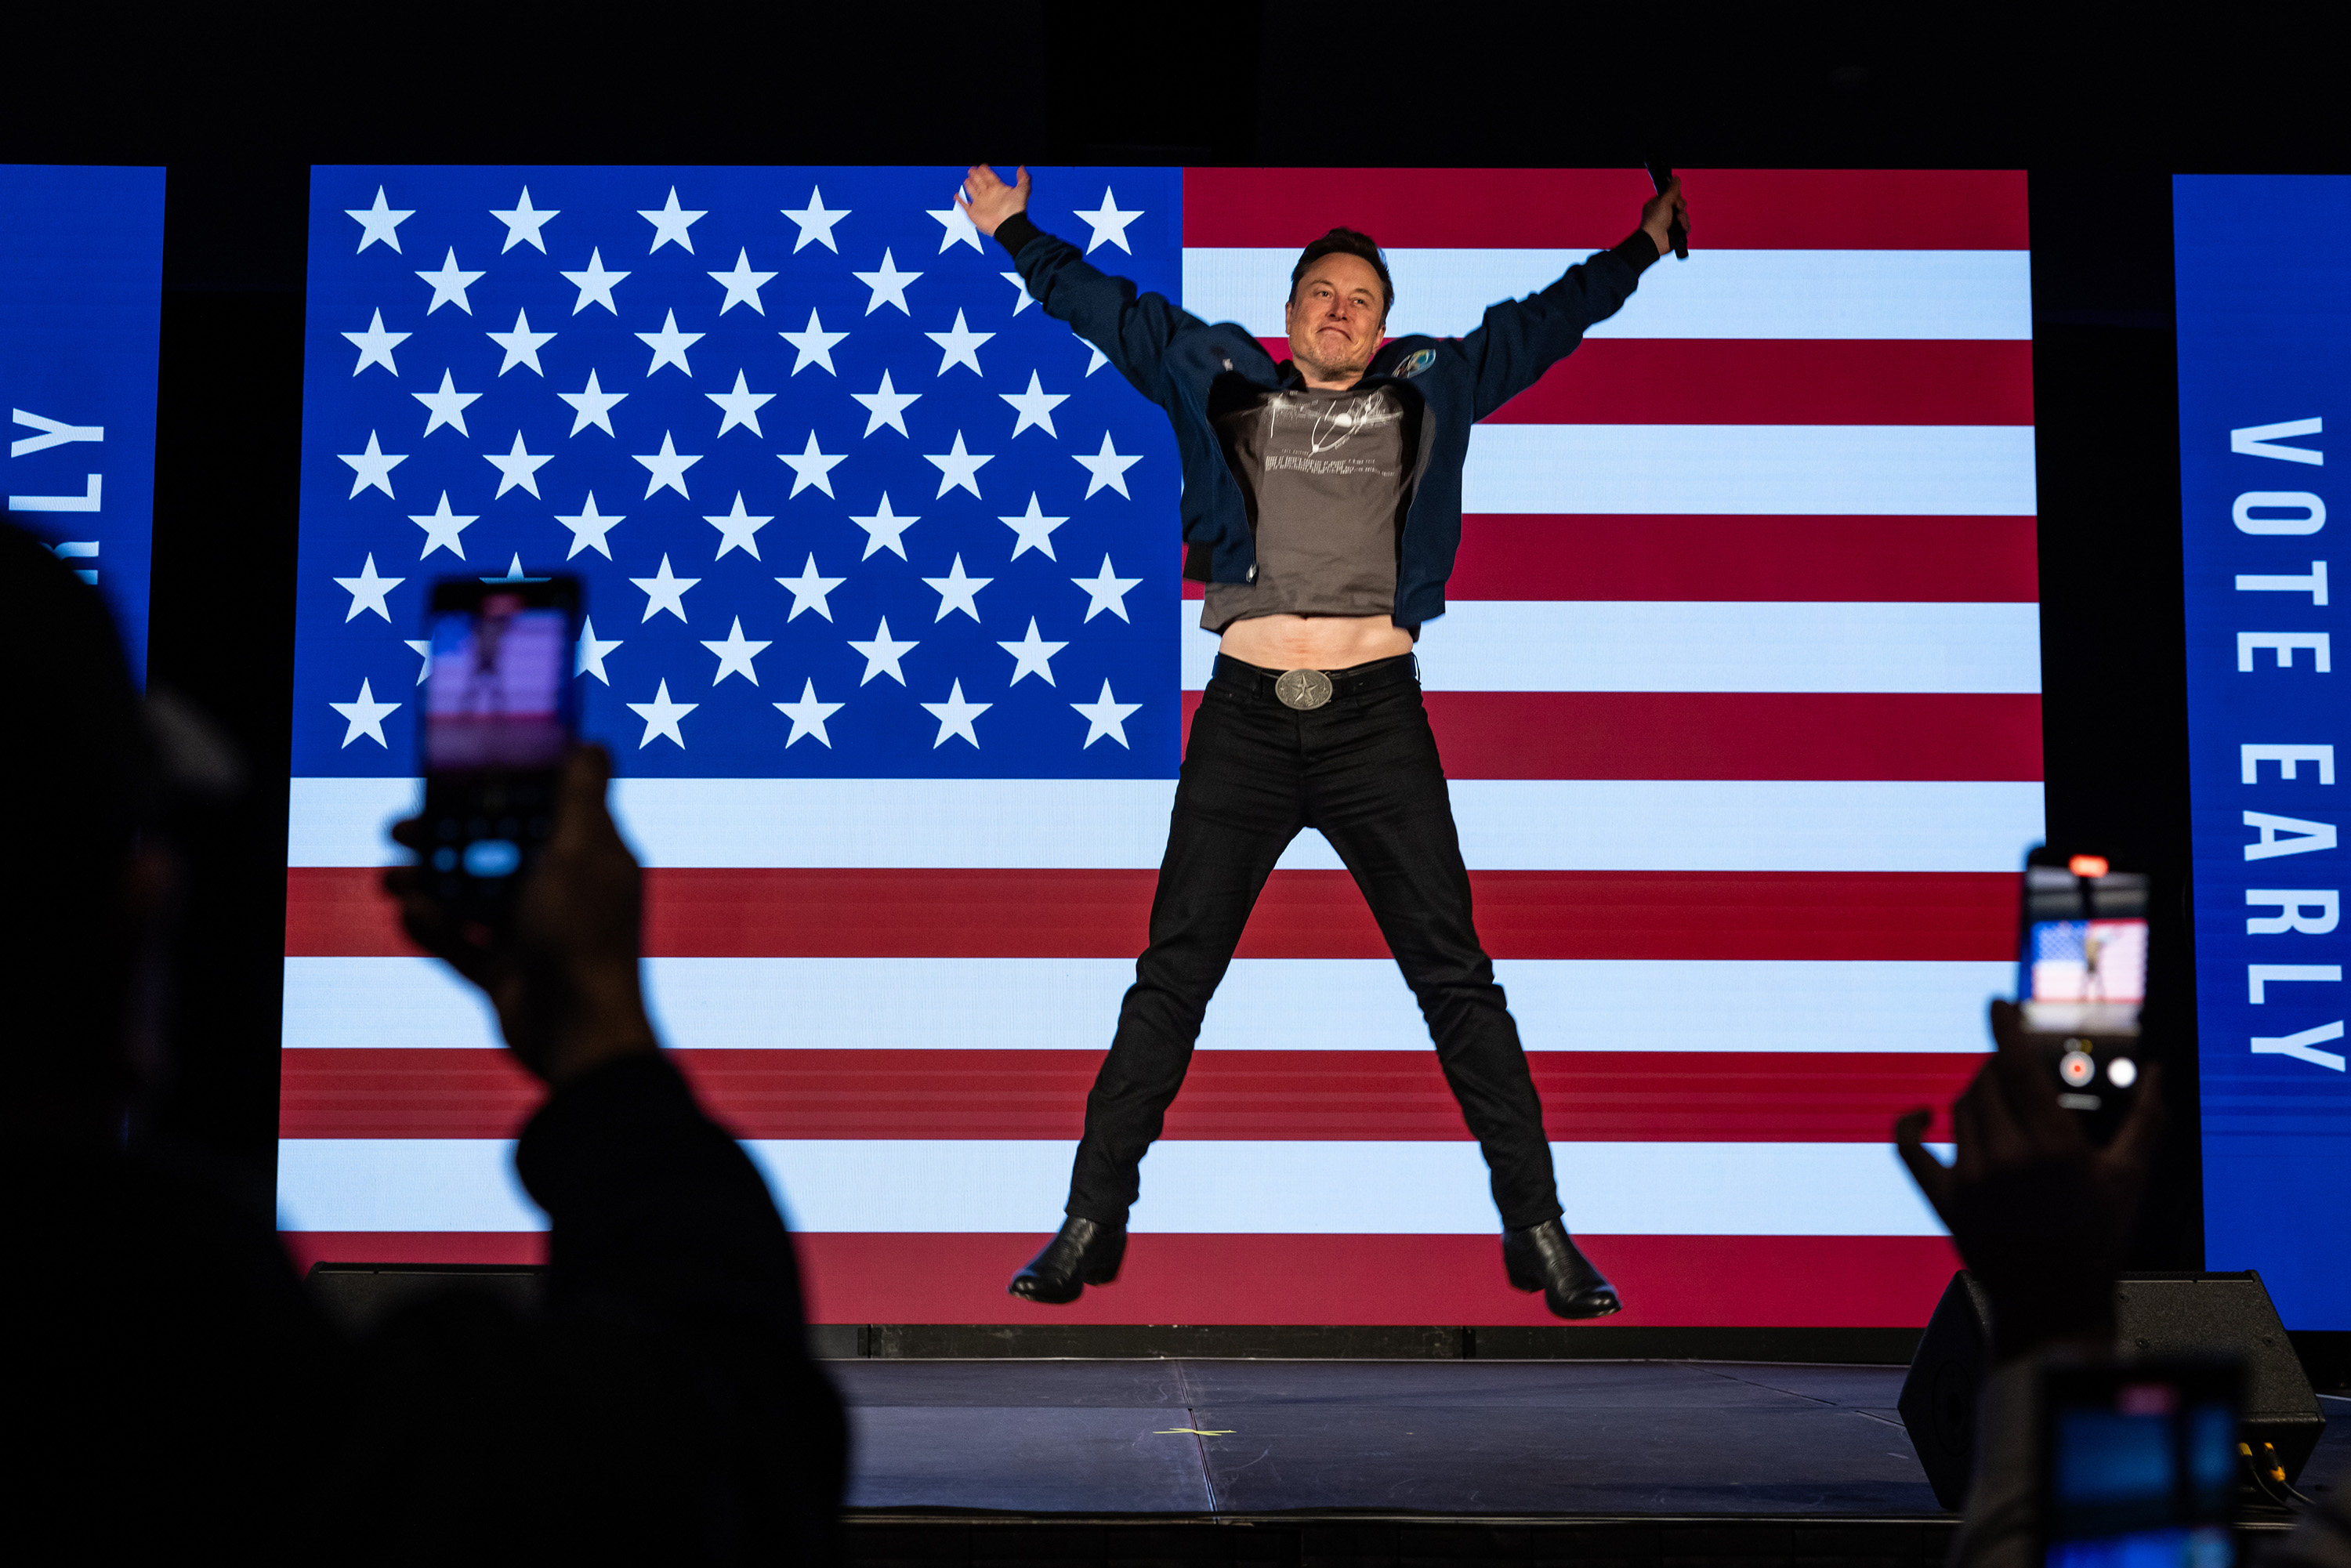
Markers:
point(670, 223)
point(522, 345)
point(884, 531)
point(1107, 467)
point(365, 716)
point(958, 469)
point(514, 572)
point(372, 469)
point(1032, 655)
point(815, 346)
point(1033, 530)
point(959, 345)
point(441, 527)
point(661, 715)
point(664, 590)
point(736, 654)
point(592, 650)
point(379, 222)
point(523, 223)
point(957, 592)
point(367, 589)
point(449, 284)
point(448, 406)
point(741, 406)
point(1097, 361)
point(595, 284)
point(1035, 407)
point(955, 716)
point(1106, 715)
point(808, 715)
point(669, 345)
point(885, 405)
point(889, 285)
point(958, 227)
point(1108, 223)
point(423, 651)
point(517, 467)
point(812, 467)
point(1020, 289)
point(739, 528)
point(809, 591)
point(1107, 591)
point(742, 283)
point(375, 345)
point(588, 529)
point(591, 405)
point(882, 654)
point(816, 221)
point(665, 469)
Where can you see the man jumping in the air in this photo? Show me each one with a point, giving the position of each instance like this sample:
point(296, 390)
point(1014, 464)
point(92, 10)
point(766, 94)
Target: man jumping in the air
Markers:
point(1322, 506)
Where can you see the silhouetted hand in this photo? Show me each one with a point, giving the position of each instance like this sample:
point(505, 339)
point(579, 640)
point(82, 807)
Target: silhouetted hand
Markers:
point(562, 974)
point(1661, 212)
point(2041, 1214)
point(988, 201)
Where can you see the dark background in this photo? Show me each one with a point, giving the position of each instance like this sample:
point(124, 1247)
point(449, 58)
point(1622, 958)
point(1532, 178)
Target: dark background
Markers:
point(238, 106)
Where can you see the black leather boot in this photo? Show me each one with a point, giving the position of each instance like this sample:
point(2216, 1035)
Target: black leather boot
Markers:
point(1084, 1253)
point(1541, 1258)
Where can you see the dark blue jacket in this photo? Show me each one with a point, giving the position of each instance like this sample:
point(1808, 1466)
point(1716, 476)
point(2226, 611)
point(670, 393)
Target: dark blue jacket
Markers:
point(1191, 369)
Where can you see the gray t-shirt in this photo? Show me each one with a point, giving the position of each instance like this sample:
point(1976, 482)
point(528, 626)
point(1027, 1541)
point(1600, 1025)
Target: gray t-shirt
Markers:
point(1324, 473)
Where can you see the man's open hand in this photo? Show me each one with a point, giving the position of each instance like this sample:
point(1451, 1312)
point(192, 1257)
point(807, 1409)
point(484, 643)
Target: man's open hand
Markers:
point(2041, 1214)
point(1661, 212)
point(562, 974)
point(988, 201)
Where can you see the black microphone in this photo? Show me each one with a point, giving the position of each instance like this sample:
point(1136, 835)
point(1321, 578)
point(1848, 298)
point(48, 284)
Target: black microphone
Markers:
point(1676, 234)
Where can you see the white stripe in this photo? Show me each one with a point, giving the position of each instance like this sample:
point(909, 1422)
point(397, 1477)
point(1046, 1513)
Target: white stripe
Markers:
point(1227, 1189)
point(1506, 824)
point(1844, 470)
point(1264, 1004)
point(1715, 294)
point(1734, 645)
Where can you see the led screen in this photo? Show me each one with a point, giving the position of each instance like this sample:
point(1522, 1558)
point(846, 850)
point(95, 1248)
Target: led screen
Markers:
point(2263, 334)
point(82, 282)
point(1737, 692)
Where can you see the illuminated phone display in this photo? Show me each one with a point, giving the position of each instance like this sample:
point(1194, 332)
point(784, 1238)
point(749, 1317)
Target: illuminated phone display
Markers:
point(494, 698)
point(2083, 965)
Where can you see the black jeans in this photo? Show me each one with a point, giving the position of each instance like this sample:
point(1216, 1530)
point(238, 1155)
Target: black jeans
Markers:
point(1363, 769)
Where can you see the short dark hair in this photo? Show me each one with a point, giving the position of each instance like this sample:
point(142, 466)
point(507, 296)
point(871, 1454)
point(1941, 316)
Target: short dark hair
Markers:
point(1354, 241)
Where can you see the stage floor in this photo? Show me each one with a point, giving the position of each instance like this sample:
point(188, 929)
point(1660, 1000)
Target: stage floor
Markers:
point(1477, 1438)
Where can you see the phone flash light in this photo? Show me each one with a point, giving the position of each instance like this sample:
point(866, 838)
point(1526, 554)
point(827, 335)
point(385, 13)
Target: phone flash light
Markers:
point(2087, 866)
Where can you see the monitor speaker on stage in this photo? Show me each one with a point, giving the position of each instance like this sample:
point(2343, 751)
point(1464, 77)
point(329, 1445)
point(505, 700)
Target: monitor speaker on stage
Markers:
point(2154, 1315)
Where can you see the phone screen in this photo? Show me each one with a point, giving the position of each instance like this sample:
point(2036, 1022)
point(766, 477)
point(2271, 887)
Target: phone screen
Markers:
point(494, 695)
point(2141, 1466)
point(2084, 966)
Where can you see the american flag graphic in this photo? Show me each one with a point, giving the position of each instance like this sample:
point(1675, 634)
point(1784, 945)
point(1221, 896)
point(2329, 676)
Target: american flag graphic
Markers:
point(1737, 691)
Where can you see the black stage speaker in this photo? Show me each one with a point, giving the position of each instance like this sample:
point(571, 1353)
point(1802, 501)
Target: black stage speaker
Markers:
point(2155, 1315)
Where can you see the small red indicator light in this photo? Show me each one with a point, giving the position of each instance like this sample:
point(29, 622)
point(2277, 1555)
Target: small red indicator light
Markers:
point(2087, 866)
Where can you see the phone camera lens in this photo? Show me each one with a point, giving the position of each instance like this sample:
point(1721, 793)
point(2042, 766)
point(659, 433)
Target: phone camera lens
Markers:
point(2076, 1068)
point(2122, 1072)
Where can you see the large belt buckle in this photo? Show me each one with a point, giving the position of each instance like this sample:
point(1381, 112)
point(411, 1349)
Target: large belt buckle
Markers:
point(1304, 690)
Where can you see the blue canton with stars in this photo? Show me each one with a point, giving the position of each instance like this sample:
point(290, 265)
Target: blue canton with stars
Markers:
point(845, 503)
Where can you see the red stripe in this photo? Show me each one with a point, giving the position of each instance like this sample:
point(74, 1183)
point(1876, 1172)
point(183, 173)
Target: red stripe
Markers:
point(1903, 560)
point(825, 912)
point(1381, 1096)
point(1744, 1281)
point(1717, 734)
point(1544, 209)
point(1669, 380)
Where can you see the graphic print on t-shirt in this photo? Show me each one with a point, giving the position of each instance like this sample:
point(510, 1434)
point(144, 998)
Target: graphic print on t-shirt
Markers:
point(1324, 472)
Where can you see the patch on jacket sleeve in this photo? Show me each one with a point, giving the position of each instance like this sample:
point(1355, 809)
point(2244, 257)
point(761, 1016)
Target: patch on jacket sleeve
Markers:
point(1412, 364)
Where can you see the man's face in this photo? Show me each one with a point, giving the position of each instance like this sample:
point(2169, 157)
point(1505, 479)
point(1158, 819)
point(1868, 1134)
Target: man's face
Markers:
point(1335, 314)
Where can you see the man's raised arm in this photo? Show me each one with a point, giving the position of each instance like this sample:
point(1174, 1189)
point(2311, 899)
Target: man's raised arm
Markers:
point(1132, 330)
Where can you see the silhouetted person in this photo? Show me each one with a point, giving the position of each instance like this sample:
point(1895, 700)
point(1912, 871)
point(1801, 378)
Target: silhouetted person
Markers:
point(176, 1391)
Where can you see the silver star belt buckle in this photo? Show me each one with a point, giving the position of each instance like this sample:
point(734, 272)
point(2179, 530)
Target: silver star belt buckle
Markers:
point(1304, 690)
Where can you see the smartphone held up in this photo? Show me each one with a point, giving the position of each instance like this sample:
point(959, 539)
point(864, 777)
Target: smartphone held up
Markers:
point(2082, 980)
point(499, 715)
